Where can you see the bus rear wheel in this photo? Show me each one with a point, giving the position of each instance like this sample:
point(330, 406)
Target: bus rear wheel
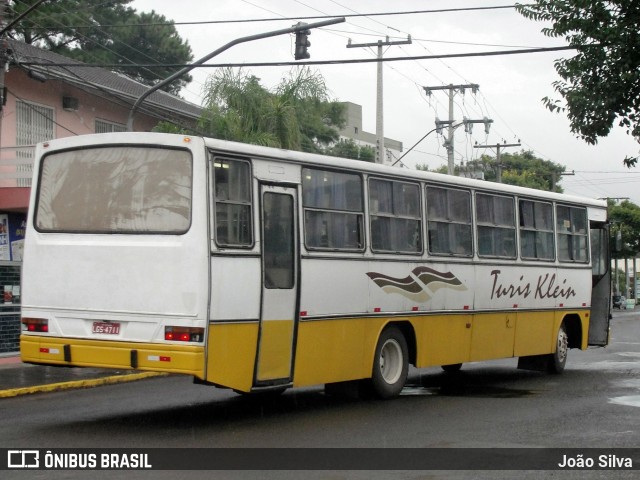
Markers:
point(558, 359)
point(390, 364)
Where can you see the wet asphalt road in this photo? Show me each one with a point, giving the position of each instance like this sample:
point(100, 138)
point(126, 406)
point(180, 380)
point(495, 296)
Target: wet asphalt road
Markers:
point(595, 403)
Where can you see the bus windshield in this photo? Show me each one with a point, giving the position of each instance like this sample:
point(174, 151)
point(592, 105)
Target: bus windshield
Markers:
point(123, 189)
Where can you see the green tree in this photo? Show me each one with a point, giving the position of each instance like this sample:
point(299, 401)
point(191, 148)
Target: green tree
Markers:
point(107, 32)
point(296, 115)
point(625, 220)
point(600, 84)
point(523, 169)
point(350, 149)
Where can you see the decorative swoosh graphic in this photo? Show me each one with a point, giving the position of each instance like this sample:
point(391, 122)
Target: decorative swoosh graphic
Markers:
point(436, 280)
point(407, 286)
point(410, 288)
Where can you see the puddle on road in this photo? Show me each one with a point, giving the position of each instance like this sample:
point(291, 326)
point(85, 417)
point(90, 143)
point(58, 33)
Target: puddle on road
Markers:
point(627, 400)
point(630, 354)
point(485, 391)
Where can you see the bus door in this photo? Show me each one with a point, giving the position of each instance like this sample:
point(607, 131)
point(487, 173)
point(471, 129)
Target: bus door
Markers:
point(601, 285)
point(279, 285)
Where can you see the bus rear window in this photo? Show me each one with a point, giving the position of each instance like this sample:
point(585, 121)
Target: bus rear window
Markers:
point(122, 189)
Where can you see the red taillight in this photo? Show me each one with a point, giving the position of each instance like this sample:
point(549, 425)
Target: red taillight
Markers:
point(35, 324)
point(184, 334)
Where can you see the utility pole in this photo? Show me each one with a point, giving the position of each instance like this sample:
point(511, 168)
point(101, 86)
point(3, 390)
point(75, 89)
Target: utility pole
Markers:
point(498, 147)
point(453, 89)
point(379, 99)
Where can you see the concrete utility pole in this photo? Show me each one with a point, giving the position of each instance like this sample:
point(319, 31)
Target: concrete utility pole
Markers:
point(379, 99)
point(498, 146)
point(453, 89)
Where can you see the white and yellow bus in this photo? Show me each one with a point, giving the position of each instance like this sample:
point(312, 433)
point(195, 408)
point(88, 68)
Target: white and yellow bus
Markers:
point(259, 269)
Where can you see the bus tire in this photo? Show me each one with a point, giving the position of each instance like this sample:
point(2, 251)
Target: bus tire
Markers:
point(558, 359)
point(390, 363)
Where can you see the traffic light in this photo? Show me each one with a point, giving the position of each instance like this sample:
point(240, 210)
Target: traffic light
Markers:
point(302, 43)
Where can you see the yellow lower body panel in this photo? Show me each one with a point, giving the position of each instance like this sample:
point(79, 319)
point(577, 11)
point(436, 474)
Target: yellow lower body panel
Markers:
point(172, 358)
point(276, 350)
point(232, 354)
point(335, 350)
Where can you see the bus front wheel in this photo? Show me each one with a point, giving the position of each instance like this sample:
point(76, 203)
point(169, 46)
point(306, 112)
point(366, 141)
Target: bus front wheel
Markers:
point(390, 364)
point(558, 359)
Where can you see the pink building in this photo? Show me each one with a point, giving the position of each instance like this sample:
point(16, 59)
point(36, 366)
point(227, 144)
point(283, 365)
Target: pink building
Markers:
point(50, 96)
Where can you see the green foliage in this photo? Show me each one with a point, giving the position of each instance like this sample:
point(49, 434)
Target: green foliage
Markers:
point(168, 127)
point(51, 26)
point(600, 85)
point(625, 219)
point(350, 149)
point(296, 115)
point(523, 169)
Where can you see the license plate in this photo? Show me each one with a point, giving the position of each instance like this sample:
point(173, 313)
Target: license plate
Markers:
point(108, 328)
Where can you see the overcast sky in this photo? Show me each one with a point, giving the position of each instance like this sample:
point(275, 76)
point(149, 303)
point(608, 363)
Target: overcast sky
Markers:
point(511, 86)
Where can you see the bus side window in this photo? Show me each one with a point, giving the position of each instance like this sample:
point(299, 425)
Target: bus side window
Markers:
point(571, 225)
point(232, 184)
point(333, 210)
point(496, 227)
point(536, 230)
point(449, 221)
point(394, 209)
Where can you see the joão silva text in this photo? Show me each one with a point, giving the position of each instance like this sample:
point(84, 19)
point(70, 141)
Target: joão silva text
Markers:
point(604, 461)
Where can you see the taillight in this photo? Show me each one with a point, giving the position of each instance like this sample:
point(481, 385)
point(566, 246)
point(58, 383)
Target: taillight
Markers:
point(184, 334)
point(37, 325)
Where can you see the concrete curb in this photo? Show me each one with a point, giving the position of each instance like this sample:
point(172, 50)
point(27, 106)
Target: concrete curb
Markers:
point(90, 383)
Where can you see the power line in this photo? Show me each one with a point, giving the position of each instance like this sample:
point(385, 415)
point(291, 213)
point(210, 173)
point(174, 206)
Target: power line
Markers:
point(322, 62)
point(312, 17)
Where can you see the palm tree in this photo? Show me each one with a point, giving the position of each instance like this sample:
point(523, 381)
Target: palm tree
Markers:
point(297, 115)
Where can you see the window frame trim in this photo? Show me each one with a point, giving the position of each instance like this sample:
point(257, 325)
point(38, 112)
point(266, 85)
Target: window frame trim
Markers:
point(420, 218)
point(213, 156)
point(448, 187)
point(361, 214)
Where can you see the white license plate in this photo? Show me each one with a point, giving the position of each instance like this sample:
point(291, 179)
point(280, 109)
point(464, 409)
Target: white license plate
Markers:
point(108, 328)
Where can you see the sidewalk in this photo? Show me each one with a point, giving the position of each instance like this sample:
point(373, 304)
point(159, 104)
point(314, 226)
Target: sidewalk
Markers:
point(17, 378)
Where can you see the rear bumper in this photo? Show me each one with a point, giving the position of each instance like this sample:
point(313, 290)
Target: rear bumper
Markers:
point(108, 354)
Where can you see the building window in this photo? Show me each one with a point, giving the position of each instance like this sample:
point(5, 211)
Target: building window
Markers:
point(34, 123)
point(104, 126)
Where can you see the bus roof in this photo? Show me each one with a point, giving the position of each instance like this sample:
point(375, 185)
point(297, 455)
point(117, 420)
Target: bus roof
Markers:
point(311, 159)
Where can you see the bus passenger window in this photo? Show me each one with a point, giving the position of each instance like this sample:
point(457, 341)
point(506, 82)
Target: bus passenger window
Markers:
point(571, 225)
point(333, 210)
point(395, 216)
point(232, 181)
point(449, 221)
point(496, 226)
point(536, 230)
